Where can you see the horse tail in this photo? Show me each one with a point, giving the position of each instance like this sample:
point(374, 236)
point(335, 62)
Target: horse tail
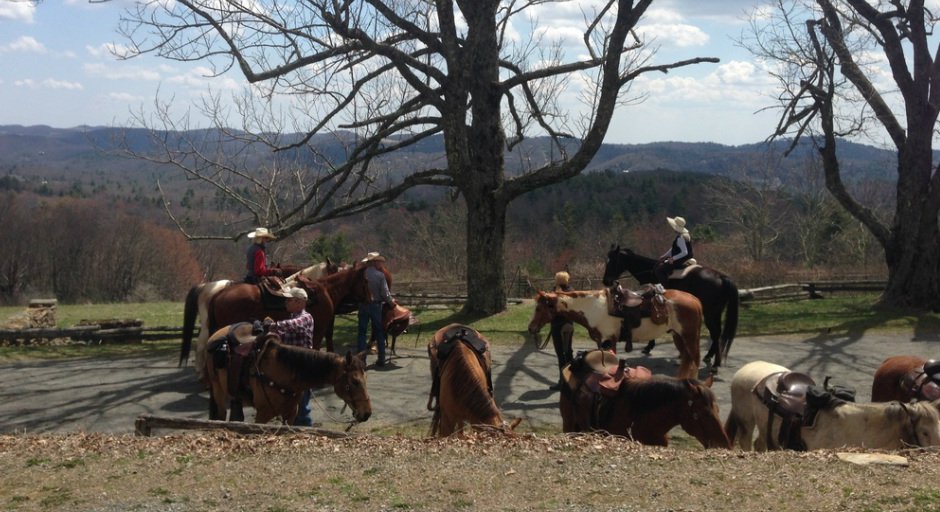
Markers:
point(731, 317)
point(190, 311)
point(731, 426)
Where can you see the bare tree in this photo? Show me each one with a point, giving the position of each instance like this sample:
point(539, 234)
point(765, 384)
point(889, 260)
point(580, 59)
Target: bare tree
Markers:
point(384, 76)
point(752, 203)
point(827, 56)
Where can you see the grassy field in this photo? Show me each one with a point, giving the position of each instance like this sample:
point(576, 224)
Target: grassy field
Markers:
point(847, 313)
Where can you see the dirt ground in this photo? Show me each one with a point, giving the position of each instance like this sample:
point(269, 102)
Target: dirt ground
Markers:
point(66, 444)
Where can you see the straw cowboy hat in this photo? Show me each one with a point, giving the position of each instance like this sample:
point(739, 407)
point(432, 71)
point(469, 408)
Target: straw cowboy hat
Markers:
point(373, 256)
point(262, 233)
point(562, 278)
point(678, 224)
point(296, 293)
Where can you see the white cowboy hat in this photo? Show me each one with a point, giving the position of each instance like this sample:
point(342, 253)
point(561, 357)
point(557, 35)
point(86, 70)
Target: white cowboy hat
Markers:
point(373, 256)
point(262, 233)
point(296, 293)
point(678, 224)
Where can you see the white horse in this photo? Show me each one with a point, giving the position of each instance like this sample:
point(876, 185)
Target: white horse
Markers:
point(197, 306)
point(889, 425)
point(589, 309)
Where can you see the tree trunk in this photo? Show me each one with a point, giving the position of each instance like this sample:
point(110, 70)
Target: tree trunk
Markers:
point(915, 286)
point(486, 230)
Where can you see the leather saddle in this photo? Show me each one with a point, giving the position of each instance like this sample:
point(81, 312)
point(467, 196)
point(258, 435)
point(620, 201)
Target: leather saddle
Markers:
point(796, 399)
point(235, 351)
point(594, 378)
point(397, 320)
point(272, 293)
point(443, 343)
point(634, 305)
point(923, 382)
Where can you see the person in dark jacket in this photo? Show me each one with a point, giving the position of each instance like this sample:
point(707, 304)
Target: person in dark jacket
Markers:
point(256, 262)
point(678, 254)
point(562, 330)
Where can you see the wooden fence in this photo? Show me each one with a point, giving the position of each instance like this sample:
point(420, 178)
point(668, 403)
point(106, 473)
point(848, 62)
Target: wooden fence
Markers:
point(133, 331)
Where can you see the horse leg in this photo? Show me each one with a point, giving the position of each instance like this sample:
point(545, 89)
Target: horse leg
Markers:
point(688, 362)
point(238, 412)
point(713, 324)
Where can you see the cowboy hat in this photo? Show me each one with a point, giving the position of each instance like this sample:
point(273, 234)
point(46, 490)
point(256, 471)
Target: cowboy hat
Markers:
point(262, 233)
point(373, 256)
point(562, 277)
point(678, 224)
point(296, 293)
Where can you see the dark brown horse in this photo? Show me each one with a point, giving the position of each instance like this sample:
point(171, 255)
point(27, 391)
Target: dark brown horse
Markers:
point(460, 367)
point(906, 378)
point(644, 409)
point(715, 290)
point(276, 375)
point(240, 302)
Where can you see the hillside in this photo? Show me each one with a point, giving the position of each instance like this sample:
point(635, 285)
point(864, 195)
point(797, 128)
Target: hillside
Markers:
point(88, 153)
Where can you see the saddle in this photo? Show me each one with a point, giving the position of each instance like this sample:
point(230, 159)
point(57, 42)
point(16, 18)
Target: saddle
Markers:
point(796, 398)
point(923, 382)
point(682, 271)
point(397, 320)
point(443, 343)
point(272, 293)
point(635, 305)
point(594, 378)
point(235, 352)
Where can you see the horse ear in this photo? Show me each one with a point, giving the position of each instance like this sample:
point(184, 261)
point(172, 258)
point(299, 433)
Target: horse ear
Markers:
point(709, 381)
point(361, 356)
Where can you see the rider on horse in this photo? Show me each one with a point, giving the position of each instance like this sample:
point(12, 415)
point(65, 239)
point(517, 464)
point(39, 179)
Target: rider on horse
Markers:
point(256, 259)
point(677, 255)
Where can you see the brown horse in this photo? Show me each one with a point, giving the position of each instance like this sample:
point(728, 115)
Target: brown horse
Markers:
point(240, 302)
point(461, 386)
point(198, 299)
point(273, 376)
point(589, 309)
point(905, 378)
point(644, 409)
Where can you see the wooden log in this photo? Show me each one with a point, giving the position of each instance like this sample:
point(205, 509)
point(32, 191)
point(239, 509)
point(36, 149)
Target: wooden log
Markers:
point(145, 424)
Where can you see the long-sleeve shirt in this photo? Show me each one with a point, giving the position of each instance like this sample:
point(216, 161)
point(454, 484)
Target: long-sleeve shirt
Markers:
point(296, 330)
point(256, 263)
point(378, 286)
point(680, 251)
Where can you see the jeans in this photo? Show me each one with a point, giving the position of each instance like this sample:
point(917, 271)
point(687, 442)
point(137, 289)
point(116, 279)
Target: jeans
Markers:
point(371, 312)
point(303, 418)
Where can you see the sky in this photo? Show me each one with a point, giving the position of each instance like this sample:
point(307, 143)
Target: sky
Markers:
point(56, 69)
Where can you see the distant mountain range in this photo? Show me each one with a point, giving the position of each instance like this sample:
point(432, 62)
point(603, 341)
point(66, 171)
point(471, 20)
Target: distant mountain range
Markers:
point(75, 153)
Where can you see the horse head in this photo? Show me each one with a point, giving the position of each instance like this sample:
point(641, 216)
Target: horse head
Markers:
point(613, 267)
point(699, 415)
point(544, 311)
point(924, 422)
point(351, 386)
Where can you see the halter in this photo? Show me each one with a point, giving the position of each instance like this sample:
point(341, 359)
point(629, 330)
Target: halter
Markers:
point(909, 429)
point(268, 382)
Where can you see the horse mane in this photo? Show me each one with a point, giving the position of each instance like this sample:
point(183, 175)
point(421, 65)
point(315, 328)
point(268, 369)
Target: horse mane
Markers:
point(305, 363)
point(647, 395)
point(465, 370)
